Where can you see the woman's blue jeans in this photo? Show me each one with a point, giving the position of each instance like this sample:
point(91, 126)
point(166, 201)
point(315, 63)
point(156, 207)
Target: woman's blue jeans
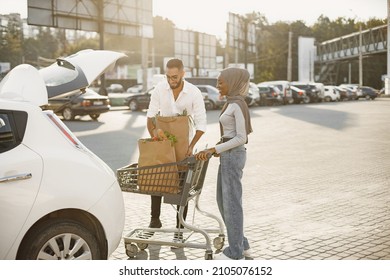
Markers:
point(229, 199)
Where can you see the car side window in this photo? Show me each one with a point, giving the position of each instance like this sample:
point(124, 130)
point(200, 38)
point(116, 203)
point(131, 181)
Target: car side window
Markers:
point(12, 128)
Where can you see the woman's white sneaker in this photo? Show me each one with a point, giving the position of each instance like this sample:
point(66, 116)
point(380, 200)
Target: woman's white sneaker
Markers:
point(248, 253)
point(223, 257)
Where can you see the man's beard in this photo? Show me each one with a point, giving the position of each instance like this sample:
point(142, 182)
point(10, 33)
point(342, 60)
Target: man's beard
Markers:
point(179, 82)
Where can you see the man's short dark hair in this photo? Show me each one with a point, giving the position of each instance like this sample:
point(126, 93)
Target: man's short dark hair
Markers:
point(175, 63)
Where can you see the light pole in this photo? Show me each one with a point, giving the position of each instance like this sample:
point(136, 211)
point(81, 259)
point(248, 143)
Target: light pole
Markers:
point(360, 56)
point(387, 79)
point(360, 50)
point(289, 59)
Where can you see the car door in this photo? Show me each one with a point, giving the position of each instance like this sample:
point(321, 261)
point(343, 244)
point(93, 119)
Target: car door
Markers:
point(20, 177)
point(144, 99)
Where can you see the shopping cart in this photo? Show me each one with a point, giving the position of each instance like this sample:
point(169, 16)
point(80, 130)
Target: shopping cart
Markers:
point(177, 183)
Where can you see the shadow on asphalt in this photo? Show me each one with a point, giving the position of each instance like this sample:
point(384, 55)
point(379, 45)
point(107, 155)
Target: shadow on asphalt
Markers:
point(319, 116)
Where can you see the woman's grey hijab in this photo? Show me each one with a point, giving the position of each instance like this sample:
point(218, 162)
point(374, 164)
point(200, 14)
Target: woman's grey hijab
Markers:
point(237, 80)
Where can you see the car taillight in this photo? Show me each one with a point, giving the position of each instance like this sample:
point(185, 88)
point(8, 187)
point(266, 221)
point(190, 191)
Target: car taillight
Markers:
point(86, 103)
point(64, 130)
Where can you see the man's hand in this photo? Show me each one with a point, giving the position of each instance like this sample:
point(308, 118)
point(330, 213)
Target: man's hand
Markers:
point(189, 151)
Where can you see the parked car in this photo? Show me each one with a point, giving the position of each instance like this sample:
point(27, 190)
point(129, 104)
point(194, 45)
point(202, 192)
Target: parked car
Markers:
point(351, 94)
point(321, 91)
point(299, 95)
point(115, 88)
point(311, 90)
point(213, 95)
point(332, 93)
point(138, 102)
point(59, 201)
point(253, 97)
point(284, 87)
point(85, 102)
point(135, 89)
point(207, 103)
point(367, 93)
point(270, 95)
point(352, 89)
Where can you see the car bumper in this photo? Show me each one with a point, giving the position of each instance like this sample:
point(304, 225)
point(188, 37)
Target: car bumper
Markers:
point(91, 110)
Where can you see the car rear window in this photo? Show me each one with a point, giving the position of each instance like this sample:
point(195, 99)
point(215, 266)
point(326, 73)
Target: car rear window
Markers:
point(12, 129)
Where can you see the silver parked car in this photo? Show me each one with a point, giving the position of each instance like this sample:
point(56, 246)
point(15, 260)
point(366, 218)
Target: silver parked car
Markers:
point(214, 97)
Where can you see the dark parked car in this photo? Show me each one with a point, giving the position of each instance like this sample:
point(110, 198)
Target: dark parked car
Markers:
point(299, 95)
point(270, 95)
point(367, 93)
point(79, 104)
point(311, 91)
point(350, 94)
point(138, 102)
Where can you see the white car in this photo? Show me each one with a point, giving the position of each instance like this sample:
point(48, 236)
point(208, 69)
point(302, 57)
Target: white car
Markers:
point(332, 93)
point(253, 94)
point(58, 200)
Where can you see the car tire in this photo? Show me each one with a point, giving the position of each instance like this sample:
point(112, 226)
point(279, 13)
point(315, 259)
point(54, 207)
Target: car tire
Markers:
point(328, 99)
point(133, 105)
point(213, 105)
point(67, 113)
point(60, 239)
point(368, 97)
point(209, 105)
point(94, 116)
point(306, 100)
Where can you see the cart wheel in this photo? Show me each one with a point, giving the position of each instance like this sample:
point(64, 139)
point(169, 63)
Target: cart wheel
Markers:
point(142, 246)
point(208, 256)
point(219, 242)
point(131, 250)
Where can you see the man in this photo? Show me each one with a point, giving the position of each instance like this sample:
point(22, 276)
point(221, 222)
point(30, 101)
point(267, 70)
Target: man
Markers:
point(171, 98)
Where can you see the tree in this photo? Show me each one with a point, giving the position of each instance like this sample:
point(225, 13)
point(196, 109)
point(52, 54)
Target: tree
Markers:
point(11, 44)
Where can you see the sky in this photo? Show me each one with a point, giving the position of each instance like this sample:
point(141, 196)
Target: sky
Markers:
point(210, 16)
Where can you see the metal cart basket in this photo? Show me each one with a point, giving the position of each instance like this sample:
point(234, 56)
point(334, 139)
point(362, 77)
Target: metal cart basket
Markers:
point(177, 183)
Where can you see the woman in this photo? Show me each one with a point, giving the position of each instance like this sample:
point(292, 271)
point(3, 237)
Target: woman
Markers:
point(235, 126)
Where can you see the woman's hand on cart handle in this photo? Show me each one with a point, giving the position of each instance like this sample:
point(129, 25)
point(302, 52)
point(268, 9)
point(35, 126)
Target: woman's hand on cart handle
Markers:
point(205, 154)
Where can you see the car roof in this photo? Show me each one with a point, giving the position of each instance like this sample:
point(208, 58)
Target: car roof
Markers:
point(24, 83)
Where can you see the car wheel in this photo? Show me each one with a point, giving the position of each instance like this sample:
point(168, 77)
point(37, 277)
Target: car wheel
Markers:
point(368, 97)
point(133, 105)
point(306, 100)
point(213, 105)
point(209, 105)
point(67, 113)
point(94, 116)
point(60, 240)
point(328, 99)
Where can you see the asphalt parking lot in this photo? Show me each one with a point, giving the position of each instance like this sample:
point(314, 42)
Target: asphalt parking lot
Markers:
point(316, 181)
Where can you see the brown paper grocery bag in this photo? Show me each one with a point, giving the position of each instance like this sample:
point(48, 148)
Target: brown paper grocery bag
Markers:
point(179, 126)
point(158, 178)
